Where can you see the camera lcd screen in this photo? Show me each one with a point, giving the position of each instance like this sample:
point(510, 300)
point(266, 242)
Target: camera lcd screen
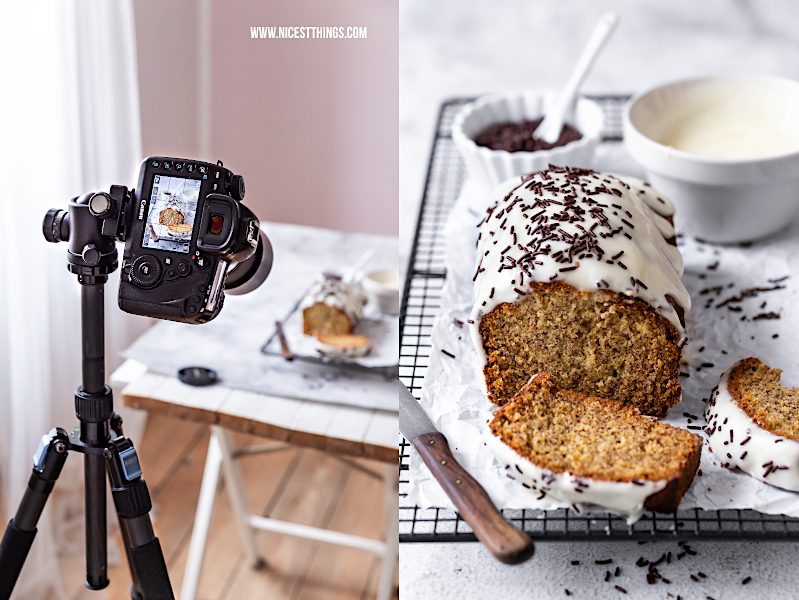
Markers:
point(170, 219)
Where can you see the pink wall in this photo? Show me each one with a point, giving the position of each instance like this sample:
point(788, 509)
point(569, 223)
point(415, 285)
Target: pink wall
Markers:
point(312, 124)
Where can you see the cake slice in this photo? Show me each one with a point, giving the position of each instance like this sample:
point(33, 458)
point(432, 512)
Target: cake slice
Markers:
point(580, 449)
point(343, 345)
point(753, 424)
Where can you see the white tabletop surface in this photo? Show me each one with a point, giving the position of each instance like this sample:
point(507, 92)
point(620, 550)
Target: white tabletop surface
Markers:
point(455, 48)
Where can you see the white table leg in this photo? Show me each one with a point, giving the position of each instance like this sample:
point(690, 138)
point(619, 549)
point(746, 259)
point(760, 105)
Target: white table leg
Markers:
point(202, 520)
point(391, 506)
point(234, 484)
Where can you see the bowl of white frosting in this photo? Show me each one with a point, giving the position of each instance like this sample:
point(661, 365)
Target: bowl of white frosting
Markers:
point(725, 149)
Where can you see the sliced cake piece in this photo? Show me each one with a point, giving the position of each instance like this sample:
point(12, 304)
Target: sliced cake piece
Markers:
point(753, 424)
point(581, 449)
point(343, 345)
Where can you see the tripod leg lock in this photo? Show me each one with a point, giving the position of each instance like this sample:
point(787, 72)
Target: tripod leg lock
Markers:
point(133, 504)
point(21, 530)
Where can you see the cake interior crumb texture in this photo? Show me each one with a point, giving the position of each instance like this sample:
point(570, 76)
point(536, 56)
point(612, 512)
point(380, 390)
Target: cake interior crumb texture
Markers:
point(757, 390)
point(321, 318)
point(562, 430)
point(599, 343)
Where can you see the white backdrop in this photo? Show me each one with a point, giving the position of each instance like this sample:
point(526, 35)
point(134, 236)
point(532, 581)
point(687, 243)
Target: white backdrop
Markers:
point(70, 124)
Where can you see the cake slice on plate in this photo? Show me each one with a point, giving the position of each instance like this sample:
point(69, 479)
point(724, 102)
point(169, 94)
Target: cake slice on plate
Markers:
point(580, 449)
point(343, 345)
point(753, 424)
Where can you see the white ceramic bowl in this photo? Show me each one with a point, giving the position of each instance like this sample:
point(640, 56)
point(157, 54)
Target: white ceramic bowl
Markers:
point(492, 167)
point(719, 199)
point(383, 287)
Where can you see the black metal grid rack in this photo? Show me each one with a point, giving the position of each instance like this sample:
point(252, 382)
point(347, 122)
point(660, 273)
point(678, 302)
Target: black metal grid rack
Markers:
point(420, 304)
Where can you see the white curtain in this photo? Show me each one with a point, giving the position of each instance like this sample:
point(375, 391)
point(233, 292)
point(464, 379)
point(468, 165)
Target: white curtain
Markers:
point(69, 124)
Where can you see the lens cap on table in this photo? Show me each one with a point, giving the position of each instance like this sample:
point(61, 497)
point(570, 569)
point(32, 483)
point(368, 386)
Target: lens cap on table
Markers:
point(198, 376)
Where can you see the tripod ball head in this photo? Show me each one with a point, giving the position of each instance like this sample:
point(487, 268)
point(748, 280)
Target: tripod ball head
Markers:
point(91, 254)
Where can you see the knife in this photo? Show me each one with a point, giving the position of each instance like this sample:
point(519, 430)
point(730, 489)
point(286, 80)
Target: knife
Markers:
point(506, 542)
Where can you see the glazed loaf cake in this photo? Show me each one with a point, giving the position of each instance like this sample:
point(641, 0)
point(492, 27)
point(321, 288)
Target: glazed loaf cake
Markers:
point(581, 449)
point(333, 306)
point(579, 276)
point(753, 424)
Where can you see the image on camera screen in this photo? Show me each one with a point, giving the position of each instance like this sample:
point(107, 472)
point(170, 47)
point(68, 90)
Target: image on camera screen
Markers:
point(170, 220)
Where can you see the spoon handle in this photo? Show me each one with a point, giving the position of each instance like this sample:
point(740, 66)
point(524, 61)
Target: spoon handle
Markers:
point(549, 130)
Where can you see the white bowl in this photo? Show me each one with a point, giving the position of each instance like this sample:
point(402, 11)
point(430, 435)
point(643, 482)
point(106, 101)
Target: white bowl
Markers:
point(720, 199)
point(492, 167)
point(383, 287)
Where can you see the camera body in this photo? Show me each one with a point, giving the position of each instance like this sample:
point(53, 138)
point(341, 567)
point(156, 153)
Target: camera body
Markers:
point(183, 228)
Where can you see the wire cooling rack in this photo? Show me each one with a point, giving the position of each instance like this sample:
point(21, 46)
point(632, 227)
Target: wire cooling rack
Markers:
point(420, 303)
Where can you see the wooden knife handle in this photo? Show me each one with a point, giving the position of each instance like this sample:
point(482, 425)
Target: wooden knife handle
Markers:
point(509, 544)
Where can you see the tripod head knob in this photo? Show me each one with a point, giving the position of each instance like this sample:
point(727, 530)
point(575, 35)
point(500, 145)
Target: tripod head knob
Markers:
point(101, 205)
point(55, 226)
point(91, 254)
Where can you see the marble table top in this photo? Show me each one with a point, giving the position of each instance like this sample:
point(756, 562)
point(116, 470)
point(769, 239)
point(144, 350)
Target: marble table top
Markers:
point(231, 343)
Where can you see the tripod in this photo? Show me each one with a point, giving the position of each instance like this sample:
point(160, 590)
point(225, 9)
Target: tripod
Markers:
point(92, 256)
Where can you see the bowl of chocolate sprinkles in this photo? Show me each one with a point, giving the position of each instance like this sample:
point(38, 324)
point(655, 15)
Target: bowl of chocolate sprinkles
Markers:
point(495, 136)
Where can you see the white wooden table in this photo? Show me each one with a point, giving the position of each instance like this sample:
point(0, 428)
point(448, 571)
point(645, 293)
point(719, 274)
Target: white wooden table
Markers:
point(345, 432)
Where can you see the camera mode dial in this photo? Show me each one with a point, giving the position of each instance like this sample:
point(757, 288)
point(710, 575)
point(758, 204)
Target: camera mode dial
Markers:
point(237, 187)
point(145, 271)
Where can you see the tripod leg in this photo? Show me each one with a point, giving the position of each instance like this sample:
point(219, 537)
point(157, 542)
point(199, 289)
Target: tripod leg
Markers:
point(133, 505)
point(18, 538)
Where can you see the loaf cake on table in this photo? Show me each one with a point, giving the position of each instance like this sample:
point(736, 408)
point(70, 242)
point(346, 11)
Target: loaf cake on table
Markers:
point(333, 306)
point(580, 449)
point(753, 424)
point(578, 275)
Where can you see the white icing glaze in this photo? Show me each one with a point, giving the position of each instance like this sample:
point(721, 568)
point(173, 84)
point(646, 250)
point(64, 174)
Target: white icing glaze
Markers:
point(618, 496)
point(627, 249)
point(740, 442)
point(334, 290)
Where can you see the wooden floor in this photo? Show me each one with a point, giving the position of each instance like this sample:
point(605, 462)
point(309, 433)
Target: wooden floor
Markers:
point(304, 486)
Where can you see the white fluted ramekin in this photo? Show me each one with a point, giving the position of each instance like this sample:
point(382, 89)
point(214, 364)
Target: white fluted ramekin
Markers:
point(492, 167)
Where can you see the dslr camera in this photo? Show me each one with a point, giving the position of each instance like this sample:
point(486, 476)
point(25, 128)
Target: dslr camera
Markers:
point(188, 238)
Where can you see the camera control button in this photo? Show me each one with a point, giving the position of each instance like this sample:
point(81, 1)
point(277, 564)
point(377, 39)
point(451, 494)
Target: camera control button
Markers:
point(191, 167)
point(171, 273)
point(178, 166)
point(168, 165)
point(156, 163)
point(146, 271)
point(191, 309)
point(183, 268)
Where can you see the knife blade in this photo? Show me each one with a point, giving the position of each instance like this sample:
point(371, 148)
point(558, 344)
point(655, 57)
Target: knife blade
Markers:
point(507, 543)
